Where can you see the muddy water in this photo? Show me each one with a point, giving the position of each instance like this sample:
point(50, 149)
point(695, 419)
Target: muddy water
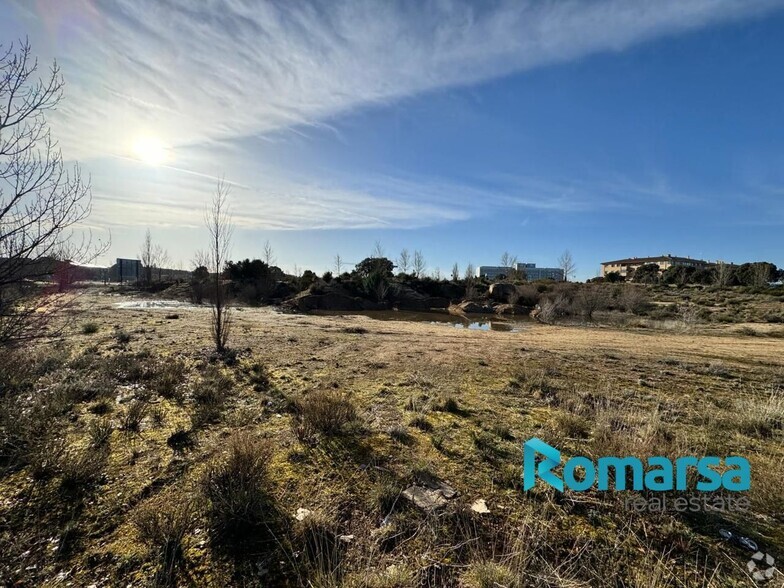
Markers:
point(472, 322)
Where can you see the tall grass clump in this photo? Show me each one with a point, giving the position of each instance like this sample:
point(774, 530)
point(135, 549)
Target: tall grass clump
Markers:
point(240, 507)
point(325, 412)
point(163, 528)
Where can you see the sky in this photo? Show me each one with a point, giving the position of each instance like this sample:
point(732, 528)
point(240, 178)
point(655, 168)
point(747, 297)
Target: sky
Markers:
point(609, 128)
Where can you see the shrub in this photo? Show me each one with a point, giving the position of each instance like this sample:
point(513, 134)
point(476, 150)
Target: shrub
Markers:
point(122, 337)
point(323, 411)
point(163, 528)
point(237, 491)
point(89, 328)
point(589, 300)
point(634, 299)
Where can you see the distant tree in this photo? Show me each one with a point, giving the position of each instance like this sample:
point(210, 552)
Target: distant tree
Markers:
point(646, 274)
point(455, 273)
point(339, 264)
point(199, 279)
point(419, 264)
point(161, 261)
point(307, 279)
point(217, 218)
point(678, 274)
point(253, 281)
point(437, 274)
point(723, 275)
point(147, 257)
point(762, 272)
point(510, 263)
point(404, 261)
point(378, 250)
point(374, 265)
point(327, 277)
point(566, 263)
point(269, 254)
point(613, 277)
point(470, 271)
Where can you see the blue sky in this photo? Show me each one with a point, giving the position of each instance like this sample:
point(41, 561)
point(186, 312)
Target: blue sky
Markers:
point(610, 128)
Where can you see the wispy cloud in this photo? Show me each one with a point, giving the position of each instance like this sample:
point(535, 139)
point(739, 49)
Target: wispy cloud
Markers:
point(197, 71)
point(201, 75)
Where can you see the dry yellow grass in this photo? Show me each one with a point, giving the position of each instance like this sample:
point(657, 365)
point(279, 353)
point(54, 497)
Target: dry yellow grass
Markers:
point(588, 389)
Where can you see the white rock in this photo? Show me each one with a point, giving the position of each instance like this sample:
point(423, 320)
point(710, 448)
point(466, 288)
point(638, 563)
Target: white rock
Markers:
point(480, 506)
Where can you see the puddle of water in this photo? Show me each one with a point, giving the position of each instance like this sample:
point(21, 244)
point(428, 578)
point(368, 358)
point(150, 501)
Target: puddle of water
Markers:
point(154, 305)
point(473, 323)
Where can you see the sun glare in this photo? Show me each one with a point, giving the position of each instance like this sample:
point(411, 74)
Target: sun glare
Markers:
point(150, 150)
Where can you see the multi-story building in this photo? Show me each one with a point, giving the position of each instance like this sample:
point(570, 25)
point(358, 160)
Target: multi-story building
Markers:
point(625, 267)
point(492, 272)
point(528, 270)
point(533, 273)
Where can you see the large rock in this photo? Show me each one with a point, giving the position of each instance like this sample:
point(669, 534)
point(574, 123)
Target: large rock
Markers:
point(470, 307)
point(501, 291)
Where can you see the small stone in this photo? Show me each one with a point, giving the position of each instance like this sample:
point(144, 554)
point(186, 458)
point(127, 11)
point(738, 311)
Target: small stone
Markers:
point(302, 514)
point(424, 498)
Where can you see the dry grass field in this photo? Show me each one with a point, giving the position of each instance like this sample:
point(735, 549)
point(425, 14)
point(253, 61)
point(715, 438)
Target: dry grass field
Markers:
point(132, 456)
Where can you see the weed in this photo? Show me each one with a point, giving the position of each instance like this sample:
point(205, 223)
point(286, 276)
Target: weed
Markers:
point(132, 417)
point(324, 411)
point(163, 528)
point(400, 434)
point(100, 432)
point(80, 471)
point(89, 328)
point(122, 337)
point(421, 423)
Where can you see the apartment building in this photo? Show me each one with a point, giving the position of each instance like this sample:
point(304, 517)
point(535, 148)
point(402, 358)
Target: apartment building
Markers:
point(627, 266)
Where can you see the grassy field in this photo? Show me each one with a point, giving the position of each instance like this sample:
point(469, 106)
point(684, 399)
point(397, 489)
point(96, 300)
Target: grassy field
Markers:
point(133, 456)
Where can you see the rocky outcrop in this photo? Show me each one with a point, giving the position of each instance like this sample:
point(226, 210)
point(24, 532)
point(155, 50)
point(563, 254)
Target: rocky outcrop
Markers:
point(470, 307)
point(409, 299)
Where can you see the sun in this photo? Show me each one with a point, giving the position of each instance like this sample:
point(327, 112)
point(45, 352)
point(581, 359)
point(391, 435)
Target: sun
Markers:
point(150, 150)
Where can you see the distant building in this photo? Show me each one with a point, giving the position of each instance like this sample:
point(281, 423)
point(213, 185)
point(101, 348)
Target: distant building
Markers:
point(127, 270)
point(528, 271)
point(533, 273)
point(625, 267)
point(492, 272)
